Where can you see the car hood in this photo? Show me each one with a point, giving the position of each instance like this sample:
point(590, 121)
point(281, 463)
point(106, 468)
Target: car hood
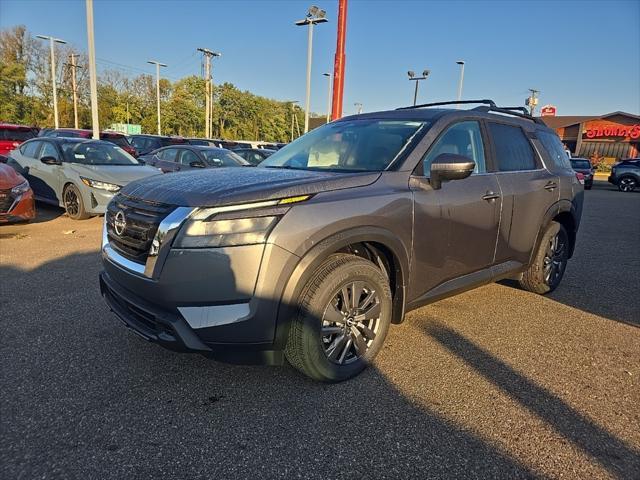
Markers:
point(117, 174)
point(226, 186)
point(9, 178)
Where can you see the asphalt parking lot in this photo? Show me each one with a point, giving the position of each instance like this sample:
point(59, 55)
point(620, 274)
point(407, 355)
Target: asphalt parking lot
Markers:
point(494, 383)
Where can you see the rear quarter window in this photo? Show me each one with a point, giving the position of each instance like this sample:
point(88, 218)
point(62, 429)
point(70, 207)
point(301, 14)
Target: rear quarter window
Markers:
point(15, 134)
point(512, 148)
point(552, 144)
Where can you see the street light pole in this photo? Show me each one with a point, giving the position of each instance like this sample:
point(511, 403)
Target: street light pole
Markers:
point(328, 75)
point(413, 78)
point(461, 63)
point(358, 106)
point(74, 85)
point(158, 65)
point(53, 40)
point(314, 15)
point(93, 77)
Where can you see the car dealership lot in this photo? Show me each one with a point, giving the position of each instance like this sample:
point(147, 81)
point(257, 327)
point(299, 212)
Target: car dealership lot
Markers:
point(493, 383)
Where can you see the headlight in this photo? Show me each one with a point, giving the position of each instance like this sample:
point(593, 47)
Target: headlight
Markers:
point(109, 187)
point(225, 233)
point(20, 189)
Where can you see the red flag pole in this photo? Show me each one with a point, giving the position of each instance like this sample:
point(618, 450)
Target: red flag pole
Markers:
point(339, 62)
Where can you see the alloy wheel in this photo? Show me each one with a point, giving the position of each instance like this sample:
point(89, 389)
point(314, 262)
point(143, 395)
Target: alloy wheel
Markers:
point(350, 322)
point(627, 184)
point(71, 202)
point(555, 259)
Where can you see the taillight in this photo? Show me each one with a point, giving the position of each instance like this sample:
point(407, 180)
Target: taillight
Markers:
point(580, 178)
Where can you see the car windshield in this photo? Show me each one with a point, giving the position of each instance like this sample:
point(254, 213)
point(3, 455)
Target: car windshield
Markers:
point(218, 157)
point(355, 145)
point(117, 140)
point(15, 134)
point(582, 164)
point(97, 153)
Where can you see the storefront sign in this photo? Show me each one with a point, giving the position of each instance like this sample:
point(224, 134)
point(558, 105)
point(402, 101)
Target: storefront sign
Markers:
point(548, 111)
point(597, 131)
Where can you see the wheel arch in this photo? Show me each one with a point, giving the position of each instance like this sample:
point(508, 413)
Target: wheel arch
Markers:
point(565, 213)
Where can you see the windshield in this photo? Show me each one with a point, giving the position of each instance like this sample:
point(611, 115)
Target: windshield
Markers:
point(97, 153)
point(218, 157)
point(582, 164)
point(356, 145)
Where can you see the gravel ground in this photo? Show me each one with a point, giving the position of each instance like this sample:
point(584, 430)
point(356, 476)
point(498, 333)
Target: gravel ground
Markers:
point(494, 383)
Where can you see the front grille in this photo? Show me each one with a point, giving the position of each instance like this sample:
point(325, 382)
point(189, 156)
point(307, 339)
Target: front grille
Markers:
point(142, 220)
point(6, 200)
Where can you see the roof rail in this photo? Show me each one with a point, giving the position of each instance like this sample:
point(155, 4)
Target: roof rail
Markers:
point(458, 102)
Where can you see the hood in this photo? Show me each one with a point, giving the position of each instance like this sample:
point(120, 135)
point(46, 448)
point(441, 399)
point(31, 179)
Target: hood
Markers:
point(226, 186)
point(9, 178)
point(117, 174)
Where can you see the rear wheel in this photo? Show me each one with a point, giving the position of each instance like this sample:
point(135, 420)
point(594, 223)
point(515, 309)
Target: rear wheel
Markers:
point(73, 204)
point(343, 317)
point(548, 266)
point(627, 184)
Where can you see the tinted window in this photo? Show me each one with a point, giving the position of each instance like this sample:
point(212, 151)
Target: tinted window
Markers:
point(223, 158)
point(199, 142)
point(120, 141)
point(463, 138)
point(168, 154)
point(581, 164)
point(15, 135)
point(513, 150)
point(552, 144)
point(49, 150)
point(352, 145)
point(29, 149)
point(187, 157)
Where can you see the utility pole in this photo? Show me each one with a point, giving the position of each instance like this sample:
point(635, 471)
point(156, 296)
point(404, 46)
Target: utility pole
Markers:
point(461, 63)
point(339, 61)
point(53, 40)
point(532, 101)
point(328, 75)
point(293, 114)
point(74, 66)
point(93, 78)
point(208, 117)
point(314, 15)
point(158, 65)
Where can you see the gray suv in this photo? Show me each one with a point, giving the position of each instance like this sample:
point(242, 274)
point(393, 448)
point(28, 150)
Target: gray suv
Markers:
point(313, 254)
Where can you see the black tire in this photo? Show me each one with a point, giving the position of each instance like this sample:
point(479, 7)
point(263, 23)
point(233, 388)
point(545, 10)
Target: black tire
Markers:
point(322, 302)
point(549, 263)
point(73, 203)
point(627, 184)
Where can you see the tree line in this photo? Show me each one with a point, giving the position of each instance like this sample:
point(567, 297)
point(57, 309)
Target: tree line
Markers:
point(26, 97)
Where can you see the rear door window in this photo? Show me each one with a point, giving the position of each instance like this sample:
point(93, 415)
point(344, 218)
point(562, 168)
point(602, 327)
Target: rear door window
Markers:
point(513, 150)
point(30, 149)
point(168, 154)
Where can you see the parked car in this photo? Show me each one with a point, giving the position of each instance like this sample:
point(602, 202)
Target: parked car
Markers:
point(188, 157)
point(148, 143)
point(254, 155)
point(626, 174)
point(583, 166)
point(116, 138)
point(314, 253)
point(11, 136)
point(16, 197)
point(80, 175)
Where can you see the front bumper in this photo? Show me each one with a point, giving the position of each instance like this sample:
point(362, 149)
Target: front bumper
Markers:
point(23, 209)
point(611, 179)
point(96, 200)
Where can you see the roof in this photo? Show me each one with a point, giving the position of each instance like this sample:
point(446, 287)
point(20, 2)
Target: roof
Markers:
point(11, 126)
point(568, 120)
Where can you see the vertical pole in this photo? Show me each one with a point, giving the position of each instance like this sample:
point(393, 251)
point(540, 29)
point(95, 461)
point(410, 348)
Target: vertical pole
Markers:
point(329, 99)
point(158, 94)
point(460, 83)
point(415, 94)
point(210, 99)
point(53, 82)
point(292, 114)
point(75, 90)
point(92, 71)
point(207, 113)
point(339, 62)
point(309, 59)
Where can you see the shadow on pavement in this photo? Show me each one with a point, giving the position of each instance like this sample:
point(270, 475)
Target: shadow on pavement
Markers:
point(82, 397)
point(613, 454)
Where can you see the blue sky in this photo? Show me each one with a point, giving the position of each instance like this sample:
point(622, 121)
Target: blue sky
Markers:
point(584, 56)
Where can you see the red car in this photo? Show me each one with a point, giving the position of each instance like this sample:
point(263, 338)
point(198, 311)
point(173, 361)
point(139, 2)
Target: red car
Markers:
point(11, 136)
point(16, 196)
point(114, 137)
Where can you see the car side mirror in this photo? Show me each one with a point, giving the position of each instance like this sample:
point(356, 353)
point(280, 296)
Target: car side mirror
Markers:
point(50, 161)
point(449, 166)
point(197, 164)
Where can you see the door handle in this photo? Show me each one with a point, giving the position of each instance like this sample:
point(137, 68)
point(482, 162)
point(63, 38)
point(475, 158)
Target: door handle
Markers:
point(551, 186)
point(490, 196)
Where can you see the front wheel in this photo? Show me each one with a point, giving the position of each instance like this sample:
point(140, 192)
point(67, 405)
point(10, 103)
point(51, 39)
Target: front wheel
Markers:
point(627, 184)
point(73, 203)
point(343, 317)
point(550, 262)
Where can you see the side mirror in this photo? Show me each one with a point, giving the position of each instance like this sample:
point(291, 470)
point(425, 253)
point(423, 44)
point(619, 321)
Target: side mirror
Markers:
point(197, 164)
point(449, 166)
point(50, 161)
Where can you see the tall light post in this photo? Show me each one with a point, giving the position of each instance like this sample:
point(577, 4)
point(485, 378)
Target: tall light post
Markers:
point(53, 40)
point(314, 15)
point(413, 78)
point(93, 77)
point(460, 82)
point(358, 106)
point(328, 75)
point(158, 65)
